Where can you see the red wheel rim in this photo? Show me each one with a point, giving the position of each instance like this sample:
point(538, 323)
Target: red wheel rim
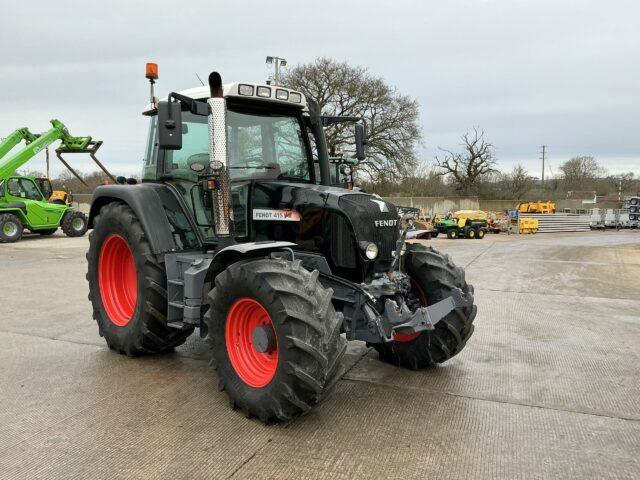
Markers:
point(417, 291)
point(255, 368)
point(117, 280)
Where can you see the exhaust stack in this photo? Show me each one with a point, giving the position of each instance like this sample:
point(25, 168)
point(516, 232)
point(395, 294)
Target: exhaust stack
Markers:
point(222, 211)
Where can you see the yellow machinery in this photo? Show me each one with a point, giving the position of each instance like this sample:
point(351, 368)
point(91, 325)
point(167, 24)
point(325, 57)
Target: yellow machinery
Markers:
point(536, 207)
point(470, 214)
point(61, 197)
point(53, 196)
point(527, 225)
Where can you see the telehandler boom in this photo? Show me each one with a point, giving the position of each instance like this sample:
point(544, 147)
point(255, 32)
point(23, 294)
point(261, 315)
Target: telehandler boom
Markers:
point(15, 138)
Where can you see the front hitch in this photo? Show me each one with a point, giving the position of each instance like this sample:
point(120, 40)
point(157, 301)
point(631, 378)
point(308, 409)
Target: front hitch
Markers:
point(424, 318)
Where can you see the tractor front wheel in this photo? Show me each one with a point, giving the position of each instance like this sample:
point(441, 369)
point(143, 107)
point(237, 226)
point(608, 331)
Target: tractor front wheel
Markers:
point(128, 286)
point(452, 233)
point(11, 228)
point(274, 337)
point(74, 223)
point(433, 276)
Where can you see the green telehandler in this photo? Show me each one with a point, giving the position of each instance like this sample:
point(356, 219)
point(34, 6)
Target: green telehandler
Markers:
point(22, 202)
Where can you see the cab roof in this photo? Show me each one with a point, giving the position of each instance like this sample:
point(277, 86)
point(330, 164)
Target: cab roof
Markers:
point(254, 91)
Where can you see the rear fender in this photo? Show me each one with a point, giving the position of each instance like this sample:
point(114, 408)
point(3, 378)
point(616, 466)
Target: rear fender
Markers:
point(150, 202)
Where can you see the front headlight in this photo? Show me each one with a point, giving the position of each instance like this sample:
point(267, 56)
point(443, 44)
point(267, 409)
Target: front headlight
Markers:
point(371, 251)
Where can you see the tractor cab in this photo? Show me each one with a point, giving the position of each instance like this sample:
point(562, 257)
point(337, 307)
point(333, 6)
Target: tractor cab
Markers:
point(266, 152)
point(266, 142)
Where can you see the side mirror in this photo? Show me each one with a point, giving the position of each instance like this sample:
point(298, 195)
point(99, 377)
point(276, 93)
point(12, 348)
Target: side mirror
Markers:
point(170, 125)
point(361, 141)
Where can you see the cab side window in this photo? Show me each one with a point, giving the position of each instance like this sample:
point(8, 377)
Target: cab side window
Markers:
point(13, 188)
point(23, 188)
point(151, 152)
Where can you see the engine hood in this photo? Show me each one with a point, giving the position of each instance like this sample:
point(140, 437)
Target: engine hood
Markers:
point(330, 220)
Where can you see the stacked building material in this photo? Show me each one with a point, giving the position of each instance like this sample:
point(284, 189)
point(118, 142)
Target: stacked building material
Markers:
point(561, 222)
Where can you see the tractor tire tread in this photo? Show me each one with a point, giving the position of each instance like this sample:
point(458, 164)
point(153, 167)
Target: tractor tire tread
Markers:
point(308, 328)
point(66, 224)
point(5, 217)
point(151, 334)
point(437, 275)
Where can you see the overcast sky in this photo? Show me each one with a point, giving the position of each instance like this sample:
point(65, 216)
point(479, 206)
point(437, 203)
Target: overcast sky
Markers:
point(563, 73)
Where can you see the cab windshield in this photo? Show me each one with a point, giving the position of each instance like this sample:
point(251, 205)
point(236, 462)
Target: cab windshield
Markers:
point(267, 146)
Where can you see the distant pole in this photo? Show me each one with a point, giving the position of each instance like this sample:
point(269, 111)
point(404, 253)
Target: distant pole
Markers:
point(544, 151)
point(620, 191)
point(46, 153)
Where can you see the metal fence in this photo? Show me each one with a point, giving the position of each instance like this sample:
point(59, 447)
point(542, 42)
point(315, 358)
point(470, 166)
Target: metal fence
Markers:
point(433, 205)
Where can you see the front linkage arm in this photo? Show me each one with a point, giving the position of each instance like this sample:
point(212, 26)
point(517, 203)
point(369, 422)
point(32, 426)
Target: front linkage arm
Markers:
point(424, 318)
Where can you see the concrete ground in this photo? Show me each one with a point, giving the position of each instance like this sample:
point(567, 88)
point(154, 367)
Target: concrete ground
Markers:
point(548, 386)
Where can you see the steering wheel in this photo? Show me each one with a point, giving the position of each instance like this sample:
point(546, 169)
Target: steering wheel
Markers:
point(253, 162)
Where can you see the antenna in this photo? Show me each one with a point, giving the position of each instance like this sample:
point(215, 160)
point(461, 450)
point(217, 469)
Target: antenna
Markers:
point(199, 79)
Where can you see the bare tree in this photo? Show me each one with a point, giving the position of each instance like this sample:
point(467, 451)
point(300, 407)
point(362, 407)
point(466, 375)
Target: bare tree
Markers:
point(518, 183)
point(465, 168)
point(66, 181)
point(344, 89)
point(623, 181)
point(580, 173)
point(424, 181)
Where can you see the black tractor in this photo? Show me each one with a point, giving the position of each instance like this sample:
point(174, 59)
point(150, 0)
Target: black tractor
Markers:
point(230, 232)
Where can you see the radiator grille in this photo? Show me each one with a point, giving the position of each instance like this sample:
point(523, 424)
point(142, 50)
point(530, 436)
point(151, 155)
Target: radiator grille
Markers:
point(364, 211)
point(343, 251)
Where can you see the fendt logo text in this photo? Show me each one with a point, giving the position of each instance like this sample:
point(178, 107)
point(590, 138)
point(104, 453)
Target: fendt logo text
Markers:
point(385, 223)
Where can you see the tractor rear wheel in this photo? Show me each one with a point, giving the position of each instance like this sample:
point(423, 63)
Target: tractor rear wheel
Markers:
point(128, 286)
point(480, 234)
point(11, 228)
point(275, 338)
point(433, 276)
point(470, 233)
point(74, 223)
